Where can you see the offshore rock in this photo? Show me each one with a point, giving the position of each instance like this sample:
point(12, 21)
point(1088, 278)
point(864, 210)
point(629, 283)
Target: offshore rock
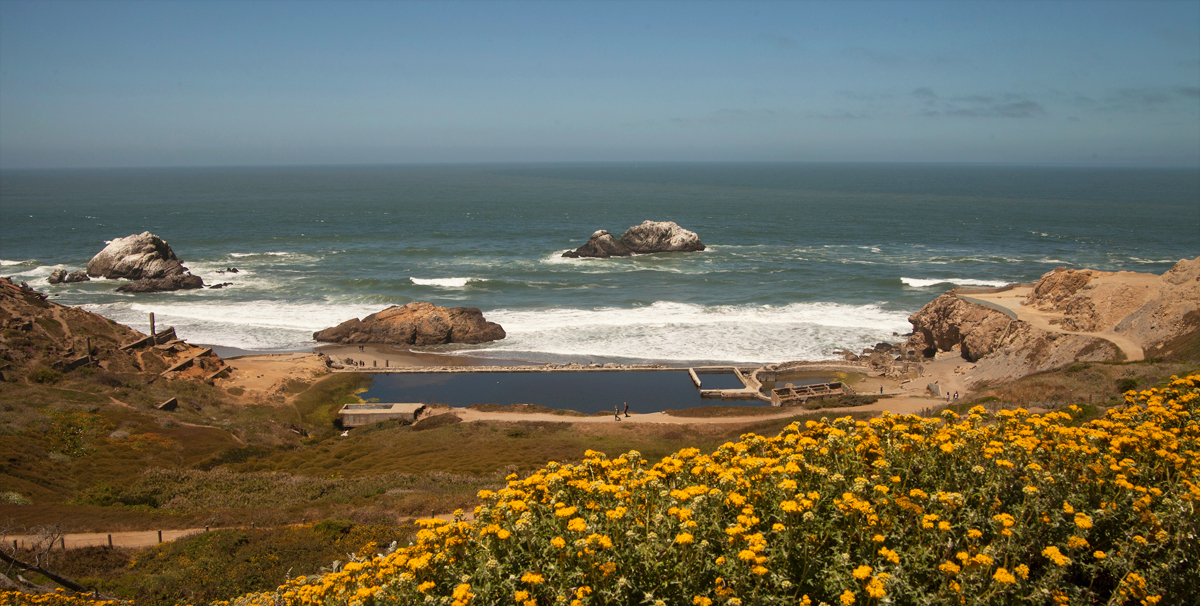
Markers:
point(143, 256)
point(60, 276)
point(660, 236)
point(169, 283)
point(647, 238)
point(601, 246)
point(416, 323)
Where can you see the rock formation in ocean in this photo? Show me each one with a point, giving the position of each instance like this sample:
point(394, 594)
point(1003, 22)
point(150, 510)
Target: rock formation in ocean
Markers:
point(660, 236)
point(649, 237)
point(601, 245)
point(1160, 314)
point(144, 258)
point(60, 276)
point(416, 323)
point(177, 282)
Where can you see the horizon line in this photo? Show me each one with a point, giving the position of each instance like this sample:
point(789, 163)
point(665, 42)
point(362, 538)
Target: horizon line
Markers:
point(564, 163)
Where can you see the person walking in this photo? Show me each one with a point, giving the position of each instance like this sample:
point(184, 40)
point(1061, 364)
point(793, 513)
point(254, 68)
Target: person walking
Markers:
point(616, 413)
point(627, 410)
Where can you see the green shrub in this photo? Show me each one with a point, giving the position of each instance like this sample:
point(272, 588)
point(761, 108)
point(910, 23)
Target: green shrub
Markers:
point(44, 375)
point(9, 497)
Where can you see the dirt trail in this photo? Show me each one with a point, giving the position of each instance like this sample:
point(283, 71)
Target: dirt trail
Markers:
point(139, 539)
point(1012, 300)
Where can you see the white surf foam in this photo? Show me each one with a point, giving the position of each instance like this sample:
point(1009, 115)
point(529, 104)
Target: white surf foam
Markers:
point(925, 283)
point(680, 332)
point(6, 262)
point(263, 254)
point(443, 282)
point(664, 331)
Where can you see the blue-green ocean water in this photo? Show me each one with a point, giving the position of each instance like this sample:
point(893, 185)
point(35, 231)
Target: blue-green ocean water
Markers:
point(802, 259)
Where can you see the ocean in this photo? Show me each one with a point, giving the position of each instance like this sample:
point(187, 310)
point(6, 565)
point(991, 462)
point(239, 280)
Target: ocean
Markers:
point(802, 259)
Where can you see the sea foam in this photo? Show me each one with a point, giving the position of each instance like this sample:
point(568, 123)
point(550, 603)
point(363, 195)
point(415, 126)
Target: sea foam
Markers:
point(926, 283)
point(443, 282)
point(680, 332)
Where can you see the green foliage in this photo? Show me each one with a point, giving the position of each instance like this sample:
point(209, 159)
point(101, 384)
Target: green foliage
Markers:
point(9, 497)
point(43, 375)
point(72, 431)
point(223, 564)
point(839, 402)
point(317, 406)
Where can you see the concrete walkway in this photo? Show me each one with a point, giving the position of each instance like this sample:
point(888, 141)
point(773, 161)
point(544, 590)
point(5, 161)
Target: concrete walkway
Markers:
point(1012, 299)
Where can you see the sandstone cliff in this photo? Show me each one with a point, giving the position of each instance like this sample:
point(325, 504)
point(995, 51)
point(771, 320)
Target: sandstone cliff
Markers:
point(1145, 308)
point(415, 324)
point(1114, 310)
point(1002, 348)
point(40, 334)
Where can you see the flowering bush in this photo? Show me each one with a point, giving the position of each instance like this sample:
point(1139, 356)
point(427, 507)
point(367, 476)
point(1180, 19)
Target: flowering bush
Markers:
point(1009, 508)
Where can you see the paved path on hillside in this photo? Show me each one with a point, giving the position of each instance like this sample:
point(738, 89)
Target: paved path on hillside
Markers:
point(1011, 300)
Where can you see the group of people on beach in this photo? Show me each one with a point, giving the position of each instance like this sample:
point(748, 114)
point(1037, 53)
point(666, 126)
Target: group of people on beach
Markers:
point(616, 411)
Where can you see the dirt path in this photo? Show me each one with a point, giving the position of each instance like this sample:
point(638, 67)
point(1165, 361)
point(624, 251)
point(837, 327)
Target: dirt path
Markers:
point(140, 539)
point(1012, 301)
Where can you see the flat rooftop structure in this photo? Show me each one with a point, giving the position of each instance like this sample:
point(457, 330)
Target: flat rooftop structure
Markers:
point(357, 415)
point(785, 396)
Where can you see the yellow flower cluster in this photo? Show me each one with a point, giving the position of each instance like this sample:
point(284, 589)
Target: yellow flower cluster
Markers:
point(975, 509)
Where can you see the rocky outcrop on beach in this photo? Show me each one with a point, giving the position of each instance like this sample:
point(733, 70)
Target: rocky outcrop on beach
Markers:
point(647, 238)
point(1002, 348)
point(40, 334)
point(147, 260)
point(601, 245)
point(1148, 309)
point(416, 323)
point(1087, 315)
point(60, 276)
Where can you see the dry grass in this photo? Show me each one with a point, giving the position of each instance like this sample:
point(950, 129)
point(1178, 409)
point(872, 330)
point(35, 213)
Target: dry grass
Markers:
point(1096, 383)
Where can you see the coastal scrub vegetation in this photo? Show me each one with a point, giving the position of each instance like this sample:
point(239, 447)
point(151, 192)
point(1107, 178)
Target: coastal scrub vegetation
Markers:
point(204, 567)
point(1005, 508)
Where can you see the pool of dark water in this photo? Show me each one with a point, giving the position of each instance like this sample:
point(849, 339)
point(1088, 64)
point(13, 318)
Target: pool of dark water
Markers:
point(587, 392)
point(720, 380)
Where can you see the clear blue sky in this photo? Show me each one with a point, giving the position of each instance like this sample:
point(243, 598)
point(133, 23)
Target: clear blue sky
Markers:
point(99, 84)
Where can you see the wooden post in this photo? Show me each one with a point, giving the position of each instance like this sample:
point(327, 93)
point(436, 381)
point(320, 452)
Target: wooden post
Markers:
point(152, 333)
point(160, 536)
point(110, 541)
point(206, 529)
point(62, 542)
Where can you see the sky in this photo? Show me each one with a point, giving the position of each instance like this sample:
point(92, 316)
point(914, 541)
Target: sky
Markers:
point(271, 82)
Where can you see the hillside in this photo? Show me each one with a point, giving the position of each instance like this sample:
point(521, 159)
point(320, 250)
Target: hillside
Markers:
point(1068, 316)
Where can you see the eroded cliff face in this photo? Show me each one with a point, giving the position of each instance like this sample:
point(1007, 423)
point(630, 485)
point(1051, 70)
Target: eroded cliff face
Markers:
point(1002, 348)
point(1152, 311)
point(1146, 308)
